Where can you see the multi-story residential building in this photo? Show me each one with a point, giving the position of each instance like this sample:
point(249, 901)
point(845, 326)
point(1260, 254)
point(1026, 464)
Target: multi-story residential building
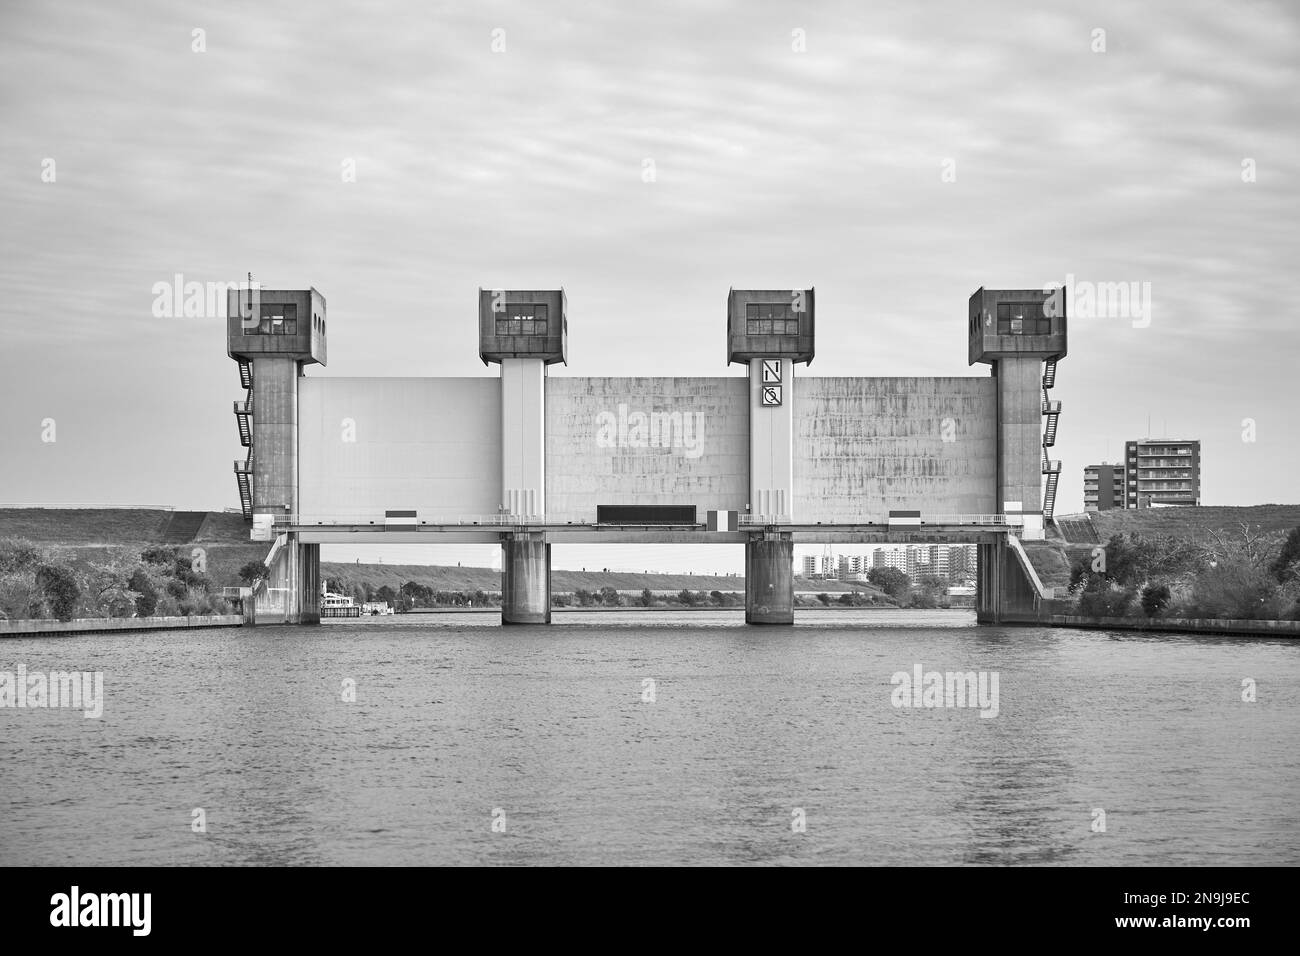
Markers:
point(939, 559)
point(890, 558)
point(961, 562)
point(1161, 472)
point(810, 565)
point(830, 567)
point(1103, 487)
point(918, 562)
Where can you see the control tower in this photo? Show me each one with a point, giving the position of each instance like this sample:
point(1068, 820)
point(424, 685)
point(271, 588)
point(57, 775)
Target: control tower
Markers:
point(273, 334)
point(1022, 334)
point(523, 331)
point(770, 331)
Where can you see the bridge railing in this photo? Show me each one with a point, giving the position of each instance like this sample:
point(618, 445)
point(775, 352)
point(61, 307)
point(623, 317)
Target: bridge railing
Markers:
point(965, 519)
point(882, 520)
point(760, 520)
point(380, 521)
point(84, 506)
point(559, 521)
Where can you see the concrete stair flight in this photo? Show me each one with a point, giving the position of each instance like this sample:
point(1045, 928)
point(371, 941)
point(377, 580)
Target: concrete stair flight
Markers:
point(181, 527)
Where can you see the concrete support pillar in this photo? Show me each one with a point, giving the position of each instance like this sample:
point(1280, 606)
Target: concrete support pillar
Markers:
point(988, 580)
point(296, 574)
point(771, 441)
point(769, 578)
point(1020, 432)
point(523, 437)
point(1006, 590)
point(275, 434)
point(525, 579)
point(308, 590)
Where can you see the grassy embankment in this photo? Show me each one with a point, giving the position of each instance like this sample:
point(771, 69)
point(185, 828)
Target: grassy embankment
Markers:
point(87, 535)
point(1208, 556)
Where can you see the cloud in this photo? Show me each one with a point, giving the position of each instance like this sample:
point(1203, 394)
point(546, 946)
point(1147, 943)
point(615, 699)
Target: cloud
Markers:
point(772, 168)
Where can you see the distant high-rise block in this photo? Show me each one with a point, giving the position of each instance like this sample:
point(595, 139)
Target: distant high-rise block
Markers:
point(1159, 472)
point(1103, 487)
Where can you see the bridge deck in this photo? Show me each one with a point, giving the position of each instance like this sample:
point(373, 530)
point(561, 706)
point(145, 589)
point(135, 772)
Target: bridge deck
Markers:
point(975, 529)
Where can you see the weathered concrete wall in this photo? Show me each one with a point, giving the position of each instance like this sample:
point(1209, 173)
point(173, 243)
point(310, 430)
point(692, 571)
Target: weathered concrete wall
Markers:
point(646, 441)
point(769, 579)
point(862, 446)
point(275, 419)
point(866, 446)
point(1020, 420)
point(432, 444)
point(523, 436)
point(525, 580)
point(1204, 625)
point(83, 625)
point(771, 451)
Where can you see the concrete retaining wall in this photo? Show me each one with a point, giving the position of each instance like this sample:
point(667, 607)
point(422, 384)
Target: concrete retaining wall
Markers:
point(429, 444)
point(89, 625)
point(598, 452)
point(1187, 625)
point(866, 446)
point(862, 446)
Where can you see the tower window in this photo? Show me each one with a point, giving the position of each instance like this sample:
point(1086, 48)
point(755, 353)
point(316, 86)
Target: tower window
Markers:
point(771, 318)
point(276, 320)
point(523, 319)
point(1022, 318)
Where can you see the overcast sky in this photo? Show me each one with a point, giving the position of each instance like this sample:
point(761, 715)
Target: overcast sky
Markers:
point(773, 168)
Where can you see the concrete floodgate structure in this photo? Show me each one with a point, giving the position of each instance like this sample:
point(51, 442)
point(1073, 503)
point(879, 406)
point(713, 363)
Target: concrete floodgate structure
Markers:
point(763, 459)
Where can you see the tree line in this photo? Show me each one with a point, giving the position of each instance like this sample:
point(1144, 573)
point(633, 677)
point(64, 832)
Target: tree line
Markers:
point(1242, 575)
point(47, 583)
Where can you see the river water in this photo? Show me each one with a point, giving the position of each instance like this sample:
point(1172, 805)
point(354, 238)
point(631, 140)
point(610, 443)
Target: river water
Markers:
point(760, 745)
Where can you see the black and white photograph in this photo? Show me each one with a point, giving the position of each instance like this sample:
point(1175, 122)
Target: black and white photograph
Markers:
point(700, 435)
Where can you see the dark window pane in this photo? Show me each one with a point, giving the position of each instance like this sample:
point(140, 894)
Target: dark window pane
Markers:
point(290, 326)
point(751, 311)
point(792, 327)
point(751, 327)
point(539, 327)
point(539, 312)
point(265, 326)
point(503, 327)
point(1004, 310)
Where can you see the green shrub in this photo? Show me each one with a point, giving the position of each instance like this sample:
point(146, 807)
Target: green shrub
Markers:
point(18, 555)
point(142, 584)
point(252, 572)
point(1236, 591)
point(1155, 598)
point(163, 557)
point(58, 587)
point(1106, 602)
point(1286, 567)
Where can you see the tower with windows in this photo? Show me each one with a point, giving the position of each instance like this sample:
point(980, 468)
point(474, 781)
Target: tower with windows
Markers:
point(1021, 333)
point(523, 331)
point(770, 330)
point(273, 334)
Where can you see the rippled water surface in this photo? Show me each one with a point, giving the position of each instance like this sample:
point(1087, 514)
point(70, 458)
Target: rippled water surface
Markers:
point(456, 718)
